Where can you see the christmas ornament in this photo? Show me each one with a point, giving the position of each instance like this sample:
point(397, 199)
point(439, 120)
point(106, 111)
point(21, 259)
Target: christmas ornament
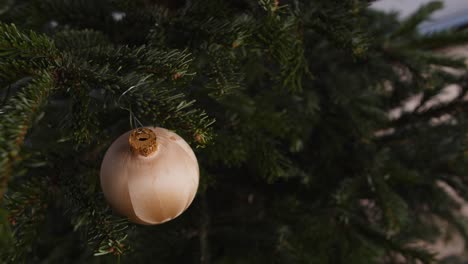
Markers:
point(149, 175)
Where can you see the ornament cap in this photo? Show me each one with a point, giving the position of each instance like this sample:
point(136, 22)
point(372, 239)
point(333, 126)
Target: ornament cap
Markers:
point(143, 141)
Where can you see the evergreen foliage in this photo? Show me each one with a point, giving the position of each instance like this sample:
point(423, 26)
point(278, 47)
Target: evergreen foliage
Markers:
point(285, 102)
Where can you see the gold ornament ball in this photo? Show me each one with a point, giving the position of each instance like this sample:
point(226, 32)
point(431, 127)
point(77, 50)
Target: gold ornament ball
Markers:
point(149, 175)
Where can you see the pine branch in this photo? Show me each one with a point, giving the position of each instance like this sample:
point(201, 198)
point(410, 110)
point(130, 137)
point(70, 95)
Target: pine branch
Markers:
point(380, 238)
point(223, 75)
point(409, 25)
point(151, 85)
point(27, 205)
point(11, 70)
point(83, 117)
point(414, 118)
point(17, 118)
point(36, 48)
point(6, 237)
point(281, 33)
point(271, 32)
point(436, 40)
point(395, 210)
point(340, 24)
point(428, 59)
point(105, 233)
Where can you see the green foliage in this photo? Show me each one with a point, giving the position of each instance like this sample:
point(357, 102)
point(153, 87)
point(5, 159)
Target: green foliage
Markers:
point(28, 211)
point(303, 163)
point(18, 116)
point(410, 24)
point(5, 232)
point(15, 44)
point(88, 213)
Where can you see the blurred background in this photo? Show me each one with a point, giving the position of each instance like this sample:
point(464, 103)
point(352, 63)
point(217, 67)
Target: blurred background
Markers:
point(454, 13)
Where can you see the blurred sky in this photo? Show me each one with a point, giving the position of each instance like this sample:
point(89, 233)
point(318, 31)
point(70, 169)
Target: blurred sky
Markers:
point(455, 12)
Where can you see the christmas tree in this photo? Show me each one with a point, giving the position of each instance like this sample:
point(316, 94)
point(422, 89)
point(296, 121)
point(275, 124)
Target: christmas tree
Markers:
point(285, 103)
